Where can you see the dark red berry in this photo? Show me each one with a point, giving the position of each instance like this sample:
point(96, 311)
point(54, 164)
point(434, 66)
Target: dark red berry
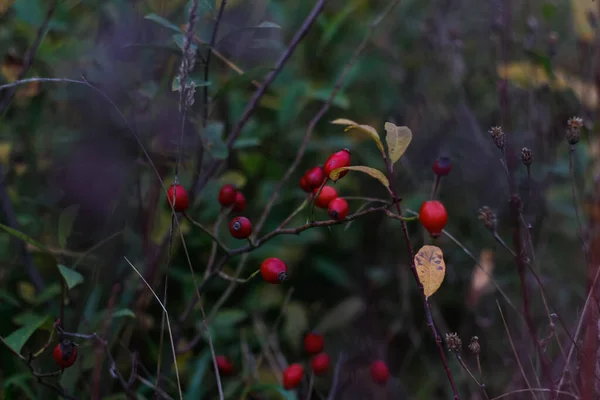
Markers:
point(442, 166)
point(327, 194)
point(273, 270)
point(65, 354)
point(240, 227)
point(315, 177)
point(314, 343)
point(380, 372)
point(433, 217)
point(225, 365)
point(337, 160)
point(240, 202)
point(320, 364)
point(227, 195)
point(338, 208)
point(180, 200)
point(292, 376)
point(304, 185)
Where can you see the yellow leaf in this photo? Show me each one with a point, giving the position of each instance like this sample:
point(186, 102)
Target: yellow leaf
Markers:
point(235, 178)
point(369, 130)
point(398, 138)
point(375, 173)
point(581, 21)
point(431, 268)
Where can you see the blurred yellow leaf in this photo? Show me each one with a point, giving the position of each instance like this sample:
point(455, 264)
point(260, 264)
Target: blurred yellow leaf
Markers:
point(481, 277)
point(369, 130)
point(431, 268)
point(5, 5)
point(375, 173)
point(398, 139)
point(5, 148)
point(580, 11)
point(235, 178)
point(26, 291)
point(341, 315)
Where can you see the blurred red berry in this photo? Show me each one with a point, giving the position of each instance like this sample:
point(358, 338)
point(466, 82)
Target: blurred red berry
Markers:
point(225, 365)
point(442, 166)
point(314, 343)
point(327, 194)
point(380, 372)
point(65, 354)
point(240, 202)
point(320, 364)
point(315, 177)
point(304, 185)
point(292, 376)
point(433, 217)
point(337, 160)
point(240, 227)
point(338, 208)
point(273, 270)
point(227, 195)
point(180, 200)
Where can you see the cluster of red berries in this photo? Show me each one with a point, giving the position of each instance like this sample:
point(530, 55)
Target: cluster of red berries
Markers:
point(314, 181)
point(229, 196)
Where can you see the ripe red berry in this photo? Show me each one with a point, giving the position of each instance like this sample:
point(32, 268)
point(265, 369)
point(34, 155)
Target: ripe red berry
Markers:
point(433, 217)
point(380, 372)
point(442, 166)
point(314, 343)
point(315, 176)
point(225, 365)
point(240, 227)
point(240, 202)
point(180, 200)
point(327, 194)
point(273, 270)
point(292, 376)
point(338, 208)
point(337, 160)
point(320, 364)
point(227, 195)
point(304, 185)
point(65, 354)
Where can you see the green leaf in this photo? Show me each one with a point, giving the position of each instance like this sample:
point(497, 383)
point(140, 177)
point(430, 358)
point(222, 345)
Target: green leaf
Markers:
point(179, 41)
point(72, 278)
point(296, 322)
point(228, 318)
point(126, 312)
point(331, 28)
point(398, 138)
point(6, 297)
point(65, 224)
point(176, 85)
point(23, 237)
point(162, 21)
point(50, 292)
point(213, 141)
point(196, 388)
point(18, 338)
point(22, 382)
point(334, 273)
point(245, 143)
point(341, 315)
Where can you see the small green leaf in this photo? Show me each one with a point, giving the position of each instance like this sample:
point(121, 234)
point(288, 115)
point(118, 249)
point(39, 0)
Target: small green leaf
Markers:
point(23, 237)
point(245, 143)
point(18, 338)
point(22, 382)
point(72, 278)
point(50, 292)
point(65, 224)
point(162, 21)
point(341, 315)
point(196, 388)
point(8, 298)
point(296, 322)
point(398, 138)
point(126, 312)
point(228, 318)
point(213, 141)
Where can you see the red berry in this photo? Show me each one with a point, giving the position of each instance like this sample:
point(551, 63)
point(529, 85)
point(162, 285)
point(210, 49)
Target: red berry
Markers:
point(240, 227)
point(65, 354)
point(315, 176)
point(273, 270)
point(327, 194)
point(225, 365)
point(180, 200)
point(337, 160)
point(292, 376)
point(338, 208)
point(314, 343)
point(240, 202)
point(227, 195)
point(433, 217)
point(380, 372)
point(320, 363)
point(442, 166)
point(304, 185)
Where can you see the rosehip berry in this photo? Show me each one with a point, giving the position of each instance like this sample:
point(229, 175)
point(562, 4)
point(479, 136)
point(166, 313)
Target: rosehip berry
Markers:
point(240, 202)
point(227, 195)
point(225, 365)
point(304, 185)
point(314, 343)
point(337, 160)
point(180, 200)
point(338, 208)
point(292, 376)
point(65, 354)
point(315, 176)
point(327, 194)
point(442, 166)
point(240, 227)
point(273, 270)
point(320, 364)
point(433, 217)
point(380, 372)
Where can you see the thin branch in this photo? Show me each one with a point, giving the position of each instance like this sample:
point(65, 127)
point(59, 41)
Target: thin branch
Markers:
point(336, 377)
point(214, 237)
